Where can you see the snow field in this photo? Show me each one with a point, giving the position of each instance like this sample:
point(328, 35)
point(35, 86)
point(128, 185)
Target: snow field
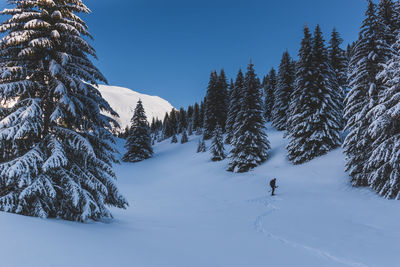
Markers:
point(188, 211)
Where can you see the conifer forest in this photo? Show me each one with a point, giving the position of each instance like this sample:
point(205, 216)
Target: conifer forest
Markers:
point(286, 161)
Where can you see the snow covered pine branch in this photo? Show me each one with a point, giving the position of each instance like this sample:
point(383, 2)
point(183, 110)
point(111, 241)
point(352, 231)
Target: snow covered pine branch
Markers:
point(56, 146)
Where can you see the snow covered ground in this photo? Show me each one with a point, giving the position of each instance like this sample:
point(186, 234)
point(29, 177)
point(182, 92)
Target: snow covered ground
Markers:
point(187, 211)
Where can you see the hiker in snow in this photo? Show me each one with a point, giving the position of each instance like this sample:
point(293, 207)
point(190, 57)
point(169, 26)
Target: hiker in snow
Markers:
point(273, 186)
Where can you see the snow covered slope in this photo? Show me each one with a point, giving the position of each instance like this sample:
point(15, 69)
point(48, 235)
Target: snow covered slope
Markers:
point(123, 101)
point(188, 211)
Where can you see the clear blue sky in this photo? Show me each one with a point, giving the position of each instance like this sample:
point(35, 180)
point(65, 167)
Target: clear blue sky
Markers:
point(168, 48)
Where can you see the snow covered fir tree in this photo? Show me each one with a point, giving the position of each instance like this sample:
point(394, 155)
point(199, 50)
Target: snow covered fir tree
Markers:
point(55, 142)
point(314, 117)
point(372, 104)
point(184, 138)
point(369, 54)
point(382, 167)
point(269, 85)
point(217, 146)
point(216, 104)
point(174, 139)
point(182, 120)
point(283, 91)
point(250, 143)
point(138, 143)
point(338, 63)
point(234, 107)
point(201, 147)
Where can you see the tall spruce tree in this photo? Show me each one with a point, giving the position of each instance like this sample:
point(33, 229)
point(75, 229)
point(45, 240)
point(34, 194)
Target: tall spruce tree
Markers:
point(269, 91)
point(231, 85)
point(234, 106)
point(196, 117)
point(338, 59)
point(153, 126)
point(201, 147)
point(397, 14)
point(381, 170)
point(369, 53)
point(231, 92)
point(339, 64)
point(383, 167)
point(168, 130)
point(174, 139)
point(250, 143)
point(223, 99)
point(388, 20)
point(216, 103)
point(56, 143)
point(303, 87)
point(314, 123)
point(189, 119)
point(189, 113)
point(182, 120)
point(210, 111)
point(138, 143)
point(202, 112)
point(173, 121)
point(184, 138)
point(284, 88)
point(217, 145)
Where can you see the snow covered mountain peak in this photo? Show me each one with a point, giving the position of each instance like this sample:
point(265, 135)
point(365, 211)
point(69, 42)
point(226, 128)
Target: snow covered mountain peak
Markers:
point(124, 100)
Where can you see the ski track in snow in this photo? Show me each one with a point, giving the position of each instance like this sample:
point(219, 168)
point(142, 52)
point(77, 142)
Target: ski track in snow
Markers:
point(271, 208)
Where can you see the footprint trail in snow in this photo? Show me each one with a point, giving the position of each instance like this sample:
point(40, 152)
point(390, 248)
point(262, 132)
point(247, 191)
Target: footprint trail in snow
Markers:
point(271, 208)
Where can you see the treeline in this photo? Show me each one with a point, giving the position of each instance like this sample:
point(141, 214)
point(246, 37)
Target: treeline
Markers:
point(141, 135)
point(175, 122)
point(304, 98)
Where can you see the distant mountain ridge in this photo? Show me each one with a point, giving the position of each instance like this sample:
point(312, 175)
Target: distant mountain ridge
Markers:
point(124, 100)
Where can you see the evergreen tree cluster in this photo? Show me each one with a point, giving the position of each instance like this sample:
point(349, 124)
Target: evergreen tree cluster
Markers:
point(372, 105)
point(304, 99)
point(156, 126)
point(238, 111)
point(184, 122)
point(327, 90)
